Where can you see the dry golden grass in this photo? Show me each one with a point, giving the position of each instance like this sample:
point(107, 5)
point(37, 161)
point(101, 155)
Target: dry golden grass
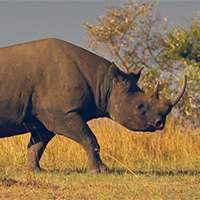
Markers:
point(173, 149)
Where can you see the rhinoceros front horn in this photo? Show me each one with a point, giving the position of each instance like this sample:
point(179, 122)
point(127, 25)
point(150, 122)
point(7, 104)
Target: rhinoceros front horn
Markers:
point(176, 98)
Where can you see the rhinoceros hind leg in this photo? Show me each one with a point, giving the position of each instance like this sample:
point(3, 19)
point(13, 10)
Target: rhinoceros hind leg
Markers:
point(38, 141)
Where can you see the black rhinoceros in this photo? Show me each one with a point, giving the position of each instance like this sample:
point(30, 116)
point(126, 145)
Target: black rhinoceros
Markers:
point(50, 87)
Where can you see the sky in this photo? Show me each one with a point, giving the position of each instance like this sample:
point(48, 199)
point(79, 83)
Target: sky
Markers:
point(22, 21)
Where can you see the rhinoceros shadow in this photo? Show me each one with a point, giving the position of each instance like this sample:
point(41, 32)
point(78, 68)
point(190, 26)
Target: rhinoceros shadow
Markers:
point(159, 173)
point(122, 171)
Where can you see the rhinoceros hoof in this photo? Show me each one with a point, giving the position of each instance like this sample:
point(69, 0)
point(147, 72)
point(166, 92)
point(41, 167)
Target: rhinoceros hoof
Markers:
point(35, 169)
point(104, 168)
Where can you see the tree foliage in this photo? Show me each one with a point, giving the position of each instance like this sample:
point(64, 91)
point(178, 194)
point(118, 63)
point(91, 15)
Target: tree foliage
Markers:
point(134, 36)
point(182, 50)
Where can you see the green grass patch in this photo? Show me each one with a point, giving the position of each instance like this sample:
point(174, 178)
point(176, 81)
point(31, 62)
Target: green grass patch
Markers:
point(74, 185)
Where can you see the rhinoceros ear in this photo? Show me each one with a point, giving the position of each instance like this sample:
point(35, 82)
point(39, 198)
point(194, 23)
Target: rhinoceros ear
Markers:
point(115, 73)
point(137, 74)
point(112, 71)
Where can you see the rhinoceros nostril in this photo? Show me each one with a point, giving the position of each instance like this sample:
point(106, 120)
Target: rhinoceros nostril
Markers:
point(159, 124)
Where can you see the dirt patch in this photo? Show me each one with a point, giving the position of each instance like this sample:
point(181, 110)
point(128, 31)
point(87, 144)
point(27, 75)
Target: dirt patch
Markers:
point(36, 184)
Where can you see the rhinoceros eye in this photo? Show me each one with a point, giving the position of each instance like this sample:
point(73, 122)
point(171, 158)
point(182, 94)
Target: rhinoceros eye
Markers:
point(140, 106)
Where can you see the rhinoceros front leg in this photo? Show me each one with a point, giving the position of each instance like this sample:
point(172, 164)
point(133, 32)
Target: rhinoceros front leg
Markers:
point(38, 141)
point(74, 127)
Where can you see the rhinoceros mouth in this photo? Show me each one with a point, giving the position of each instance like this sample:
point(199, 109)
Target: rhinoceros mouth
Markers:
point(155, 128)
point(152, 129)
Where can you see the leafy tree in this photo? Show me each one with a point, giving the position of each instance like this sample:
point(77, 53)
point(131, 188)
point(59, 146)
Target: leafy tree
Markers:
point(182, 50)
point(129, 34)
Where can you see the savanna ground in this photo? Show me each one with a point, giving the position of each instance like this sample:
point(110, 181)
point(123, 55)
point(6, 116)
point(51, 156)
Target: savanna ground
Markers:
point(160, 165)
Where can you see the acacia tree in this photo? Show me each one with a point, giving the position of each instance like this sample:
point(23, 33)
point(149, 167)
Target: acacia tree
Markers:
point(129, 34)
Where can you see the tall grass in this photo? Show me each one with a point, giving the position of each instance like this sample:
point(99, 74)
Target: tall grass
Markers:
point(176, 148)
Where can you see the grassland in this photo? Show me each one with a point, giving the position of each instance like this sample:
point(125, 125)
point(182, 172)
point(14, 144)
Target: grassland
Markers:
point(160, 165)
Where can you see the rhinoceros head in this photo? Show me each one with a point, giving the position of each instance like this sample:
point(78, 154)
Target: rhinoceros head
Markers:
point(134, 109)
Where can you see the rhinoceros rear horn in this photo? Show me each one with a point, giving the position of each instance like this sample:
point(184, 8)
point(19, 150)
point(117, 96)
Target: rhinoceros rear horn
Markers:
point(176, 98)
point(155, 92)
